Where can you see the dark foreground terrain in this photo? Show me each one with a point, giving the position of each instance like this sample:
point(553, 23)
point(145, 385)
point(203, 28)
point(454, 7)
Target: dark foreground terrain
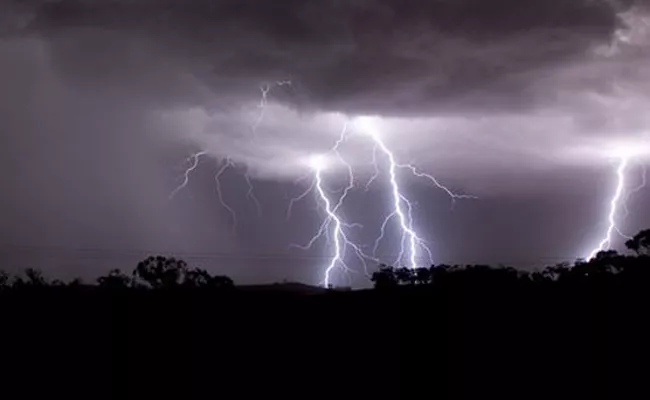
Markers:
point(579, 332)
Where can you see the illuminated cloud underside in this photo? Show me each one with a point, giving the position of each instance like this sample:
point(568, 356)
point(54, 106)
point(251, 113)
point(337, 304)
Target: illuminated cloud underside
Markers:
point(495, 98)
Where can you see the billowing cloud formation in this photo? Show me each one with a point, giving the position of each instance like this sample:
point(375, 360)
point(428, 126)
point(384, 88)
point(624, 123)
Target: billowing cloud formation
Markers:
point(559, 64)
point(469, 89)
point(372, 56)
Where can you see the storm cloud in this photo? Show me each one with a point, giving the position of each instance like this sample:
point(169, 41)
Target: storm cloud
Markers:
point(104, 100)
point(448, 59)
point(361, 57)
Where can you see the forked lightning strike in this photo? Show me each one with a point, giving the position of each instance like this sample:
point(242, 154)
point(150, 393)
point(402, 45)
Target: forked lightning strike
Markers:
point(613, 209)
point(264, 99)
point(217, 180)
point(333, 228)
point(186, 176)
point(642, 185)
point(332, 220)
point(228, 163)
point(404, 219)
point(264, 94)
point(436, 183)
point(411, 243)
point(402, 207)
point(375, 175)
point(339, 237)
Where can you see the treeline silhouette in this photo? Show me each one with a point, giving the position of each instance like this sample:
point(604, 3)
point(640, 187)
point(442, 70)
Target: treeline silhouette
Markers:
point(168, 330)
point(608, 267)
point(155, 272)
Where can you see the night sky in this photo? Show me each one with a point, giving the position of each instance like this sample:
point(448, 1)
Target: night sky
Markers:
point(527, 105)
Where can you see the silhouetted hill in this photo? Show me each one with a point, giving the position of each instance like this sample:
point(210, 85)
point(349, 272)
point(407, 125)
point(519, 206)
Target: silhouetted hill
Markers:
point(284, 287)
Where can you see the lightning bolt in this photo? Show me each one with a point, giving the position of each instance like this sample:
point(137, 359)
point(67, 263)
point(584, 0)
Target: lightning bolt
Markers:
point(186, 176)
point(195, 159)
point(404, 217)
point(301, 196)
point(265, 89)
point(411, 243)
point(339, 237)
point(642, 185)
point(375, 165)
point(250, 194)
point(333, 228)
point(228, 163)
point(613, 208)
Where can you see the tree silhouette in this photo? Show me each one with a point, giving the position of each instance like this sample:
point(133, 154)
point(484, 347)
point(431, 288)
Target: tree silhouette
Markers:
point(422, 276)
point(640, 243)
point(554, 272)
point(197, 277)
point(384, 278)
point(405, 275)
point(161, 272)
point(437, 273)
point(114, 280)
point(221, 282)
point(34, 277)
point(75, 283)
point(606, 268)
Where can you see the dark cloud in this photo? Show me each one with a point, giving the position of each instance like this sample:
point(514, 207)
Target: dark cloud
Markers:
point(104, 100)
point(372, 56)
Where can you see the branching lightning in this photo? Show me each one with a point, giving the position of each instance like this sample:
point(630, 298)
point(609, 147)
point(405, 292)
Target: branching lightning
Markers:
point(642, 185)
point(339, 238)
point(186, 176)
point(229, 163)
point(264, 99)
point(298, 198)
point(250, 193)
point(375, 175)
point(404, 217)
point(195, 158)
point(436, 183)
point(333, 228)
point(411, 243)
point(217, 179)
point(613, 209)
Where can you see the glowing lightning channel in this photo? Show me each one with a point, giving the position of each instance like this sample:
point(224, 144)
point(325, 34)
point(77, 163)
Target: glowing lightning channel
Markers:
point(338, 246)
point(642, 185)
point(375, 175)
point(217, 179)
point(264, 94)
point(404, 217)
point(186, 176)
point(264, 99)
point(436, 183)
point(614, 203)
point(402, 207)
point(250, 194)
point(332, 219)
point(301, 196)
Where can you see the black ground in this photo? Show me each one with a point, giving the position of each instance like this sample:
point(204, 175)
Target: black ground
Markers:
point(536, 341)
